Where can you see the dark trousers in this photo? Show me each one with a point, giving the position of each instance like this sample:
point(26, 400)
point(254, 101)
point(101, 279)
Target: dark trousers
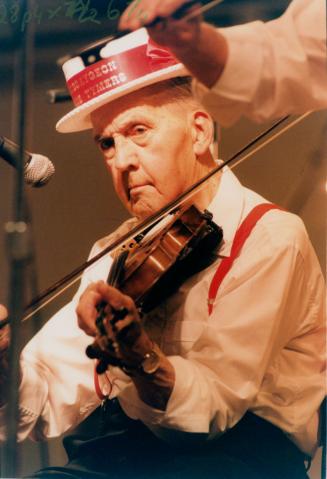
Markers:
point(252, 449)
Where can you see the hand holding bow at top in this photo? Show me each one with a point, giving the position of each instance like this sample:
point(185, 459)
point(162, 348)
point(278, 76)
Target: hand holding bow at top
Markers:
point(120, 340)
point(198, 45)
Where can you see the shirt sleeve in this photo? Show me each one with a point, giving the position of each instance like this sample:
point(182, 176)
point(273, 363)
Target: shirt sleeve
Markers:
point(57, 388)
point(259, 308)
point(274, 68)
point(57, 384)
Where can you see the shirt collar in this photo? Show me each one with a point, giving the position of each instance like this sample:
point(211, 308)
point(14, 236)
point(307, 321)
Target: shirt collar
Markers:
point(227, 208)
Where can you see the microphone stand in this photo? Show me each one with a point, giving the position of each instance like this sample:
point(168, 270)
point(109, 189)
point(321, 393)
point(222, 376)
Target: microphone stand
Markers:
point(19, 251)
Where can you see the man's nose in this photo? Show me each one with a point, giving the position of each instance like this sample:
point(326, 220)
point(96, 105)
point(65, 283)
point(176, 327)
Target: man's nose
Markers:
point(125, 154)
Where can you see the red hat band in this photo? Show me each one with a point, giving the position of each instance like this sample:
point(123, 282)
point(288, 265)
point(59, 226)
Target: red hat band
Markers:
point(116, 70)
point(111, 68)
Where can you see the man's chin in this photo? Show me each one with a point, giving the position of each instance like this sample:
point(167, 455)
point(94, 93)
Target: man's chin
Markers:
point(142, 211)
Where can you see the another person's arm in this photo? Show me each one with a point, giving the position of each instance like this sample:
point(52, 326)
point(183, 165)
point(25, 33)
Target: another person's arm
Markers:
point(198, 45)
point(258, 70)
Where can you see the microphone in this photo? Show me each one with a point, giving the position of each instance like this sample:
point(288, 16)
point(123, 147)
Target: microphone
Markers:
point(38, 169)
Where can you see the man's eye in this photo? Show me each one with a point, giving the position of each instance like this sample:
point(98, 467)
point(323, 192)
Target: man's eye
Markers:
point(106, 144)
point(138, 130)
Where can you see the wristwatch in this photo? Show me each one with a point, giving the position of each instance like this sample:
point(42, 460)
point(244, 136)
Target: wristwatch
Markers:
point(151, 360)
point(149, 364)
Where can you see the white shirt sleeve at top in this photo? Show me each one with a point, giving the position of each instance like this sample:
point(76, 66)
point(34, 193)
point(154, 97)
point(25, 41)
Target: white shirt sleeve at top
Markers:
point(274, 68)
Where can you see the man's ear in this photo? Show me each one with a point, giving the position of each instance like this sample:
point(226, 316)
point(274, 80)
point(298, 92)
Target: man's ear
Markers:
point(202, 131)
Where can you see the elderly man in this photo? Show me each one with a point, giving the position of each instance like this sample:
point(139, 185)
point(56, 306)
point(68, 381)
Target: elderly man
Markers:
point(223, 377)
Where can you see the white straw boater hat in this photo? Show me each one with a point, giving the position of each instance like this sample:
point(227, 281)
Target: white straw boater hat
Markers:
point(110, 69)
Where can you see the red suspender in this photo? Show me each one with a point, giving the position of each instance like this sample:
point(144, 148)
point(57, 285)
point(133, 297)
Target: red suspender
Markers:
point(240, 237)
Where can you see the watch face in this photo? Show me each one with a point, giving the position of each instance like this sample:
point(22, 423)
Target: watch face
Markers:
point(151, 362)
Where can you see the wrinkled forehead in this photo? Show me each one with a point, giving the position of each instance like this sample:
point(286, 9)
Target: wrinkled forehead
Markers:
point(145, 103)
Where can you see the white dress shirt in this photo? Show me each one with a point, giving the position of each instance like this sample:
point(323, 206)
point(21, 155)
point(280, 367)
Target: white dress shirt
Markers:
point(274, 68)
point(260, 350)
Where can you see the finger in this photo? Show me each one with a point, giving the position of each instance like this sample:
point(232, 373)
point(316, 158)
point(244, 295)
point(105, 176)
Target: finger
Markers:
point(117, 299)
point(138, 14)
point(91, 287)
point(4, 338)
point(113, 326)
point(87, 305)
point(128, 334)
point(3, 312)
point(86, 309)
point(176, 34)
point(141, 13)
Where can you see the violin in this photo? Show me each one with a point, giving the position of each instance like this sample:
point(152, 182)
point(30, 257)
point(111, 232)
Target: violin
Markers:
point(154, 271)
